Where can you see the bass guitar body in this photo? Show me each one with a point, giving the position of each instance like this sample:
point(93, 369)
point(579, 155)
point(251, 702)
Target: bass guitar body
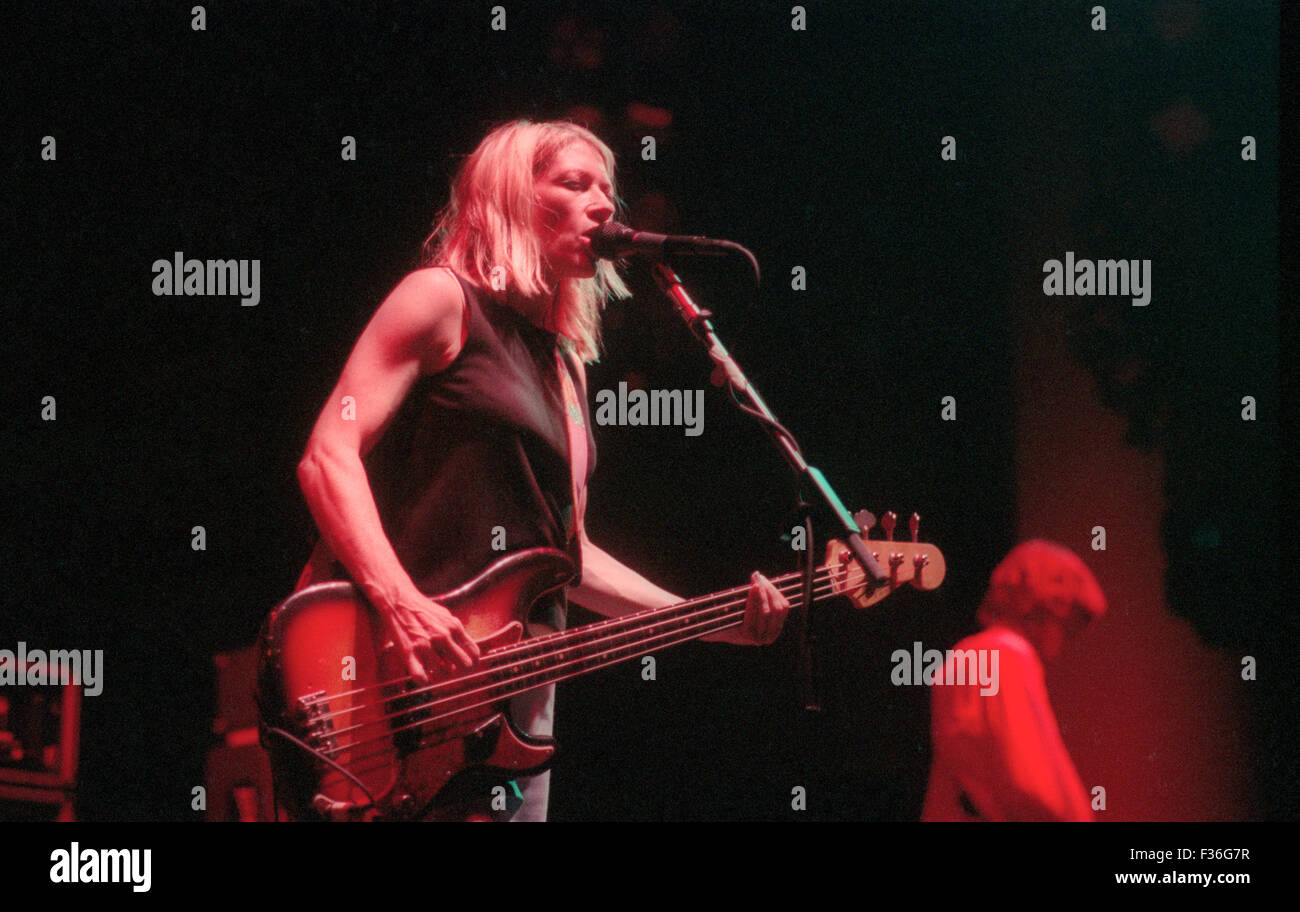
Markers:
point(352, 736)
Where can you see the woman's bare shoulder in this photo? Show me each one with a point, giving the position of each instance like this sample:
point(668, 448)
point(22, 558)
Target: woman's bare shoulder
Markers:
point(441, 288)
point(428, 314)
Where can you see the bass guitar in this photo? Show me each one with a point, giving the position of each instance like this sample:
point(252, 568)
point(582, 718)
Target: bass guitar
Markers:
point(352, 735)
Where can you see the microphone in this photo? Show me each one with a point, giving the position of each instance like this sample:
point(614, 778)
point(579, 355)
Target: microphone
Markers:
point(612, 240)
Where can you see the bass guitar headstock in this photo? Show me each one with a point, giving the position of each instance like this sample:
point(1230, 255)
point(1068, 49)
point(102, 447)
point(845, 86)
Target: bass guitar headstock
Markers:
point(915, 563)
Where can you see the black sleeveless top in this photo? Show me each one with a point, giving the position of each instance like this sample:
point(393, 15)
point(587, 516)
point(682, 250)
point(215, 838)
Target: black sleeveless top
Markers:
point(478, 453)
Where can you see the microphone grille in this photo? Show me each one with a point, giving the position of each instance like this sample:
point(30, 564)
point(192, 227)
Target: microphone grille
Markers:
point(606, 240)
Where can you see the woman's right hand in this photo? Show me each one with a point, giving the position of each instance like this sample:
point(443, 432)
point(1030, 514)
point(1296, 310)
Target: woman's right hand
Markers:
point(430, 637)
point(419, 329)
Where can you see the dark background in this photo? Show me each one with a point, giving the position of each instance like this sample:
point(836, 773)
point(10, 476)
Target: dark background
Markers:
point(817, 148)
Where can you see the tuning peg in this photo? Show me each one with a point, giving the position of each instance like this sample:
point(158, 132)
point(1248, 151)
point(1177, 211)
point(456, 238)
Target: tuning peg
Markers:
point(865, 520)
point(914, 524)
point(888, 521)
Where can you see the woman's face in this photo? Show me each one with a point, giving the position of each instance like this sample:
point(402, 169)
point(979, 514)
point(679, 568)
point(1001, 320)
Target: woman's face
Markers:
point(573, 199)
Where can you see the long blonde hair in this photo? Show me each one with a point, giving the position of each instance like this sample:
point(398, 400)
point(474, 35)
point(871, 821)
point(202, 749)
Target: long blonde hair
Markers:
point(488, 222)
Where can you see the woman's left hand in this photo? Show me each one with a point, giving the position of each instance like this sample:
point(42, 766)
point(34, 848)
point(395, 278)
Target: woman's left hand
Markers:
point(765, 612)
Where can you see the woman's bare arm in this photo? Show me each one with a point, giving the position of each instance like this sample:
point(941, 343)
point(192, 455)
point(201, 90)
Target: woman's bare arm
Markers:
point(611, 588)
point(419, 328)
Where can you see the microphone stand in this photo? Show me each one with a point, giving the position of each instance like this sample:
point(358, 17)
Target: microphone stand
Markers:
point(747, 398)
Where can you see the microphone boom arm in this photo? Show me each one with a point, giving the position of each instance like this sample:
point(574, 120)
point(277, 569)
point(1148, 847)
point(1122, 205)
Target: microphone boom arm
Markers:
point(726, 367)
